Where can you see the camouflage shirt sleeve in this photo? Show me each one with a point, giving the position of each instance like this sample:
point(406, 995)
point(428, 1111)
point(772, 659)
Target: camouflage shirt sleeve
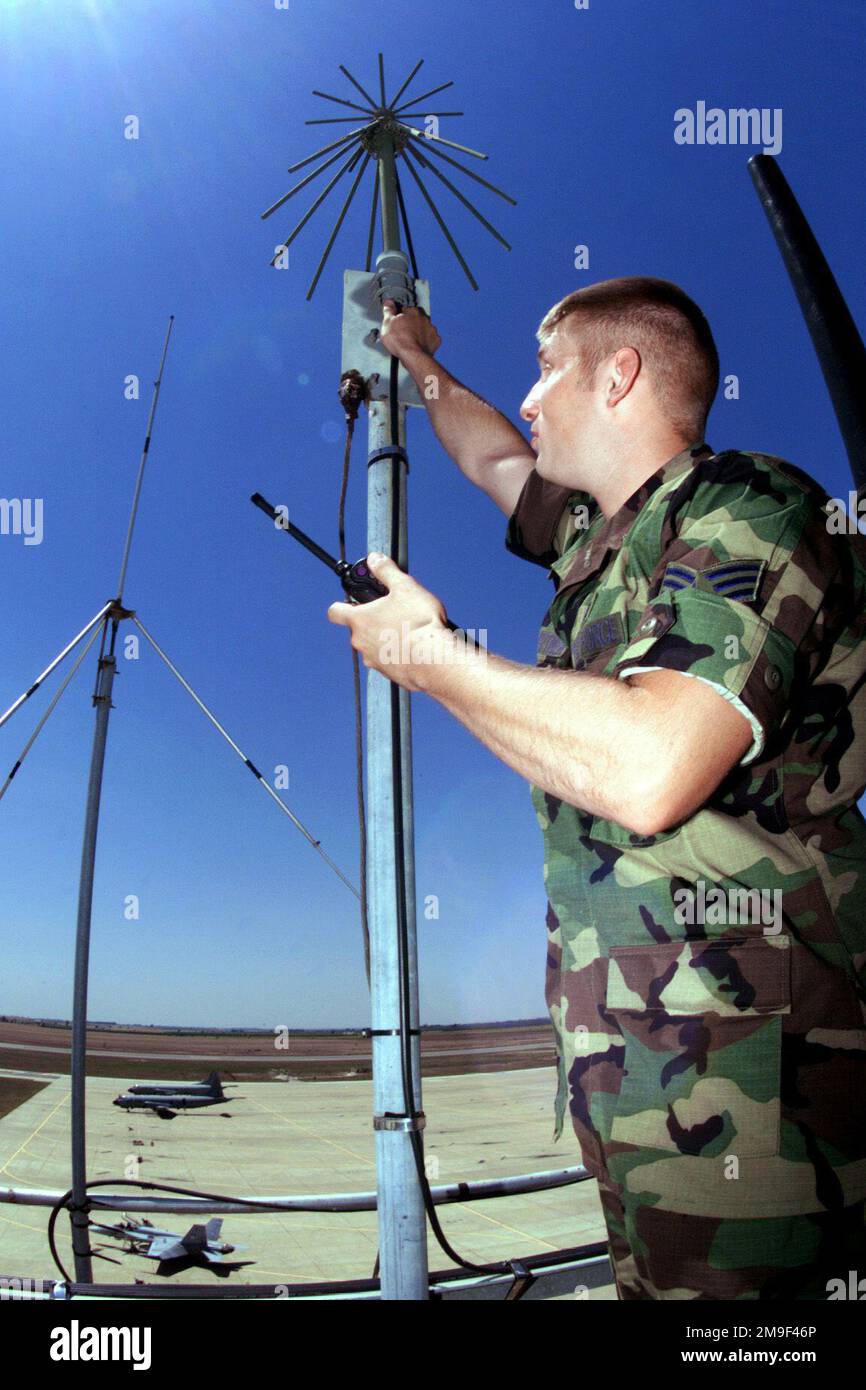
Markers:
point(540, 526)
point(738, 578)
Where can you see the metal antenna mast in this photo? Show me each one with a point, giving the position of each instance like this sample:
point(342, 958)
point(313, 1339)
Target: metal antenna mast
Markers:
point(386, 136)
point(106, 670)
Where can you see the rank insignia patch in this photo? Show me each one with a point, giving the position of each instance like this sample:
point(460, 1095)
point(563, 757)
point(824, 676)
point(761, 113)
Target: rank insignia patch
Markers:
point(738, 579)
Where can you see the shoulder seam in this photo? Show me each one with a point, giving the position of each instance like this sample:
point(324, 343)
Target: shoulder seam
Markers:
point(772, 461)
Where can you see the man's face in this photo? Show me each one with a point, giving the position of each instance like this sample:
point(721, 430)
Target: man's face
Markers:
point(560, 409)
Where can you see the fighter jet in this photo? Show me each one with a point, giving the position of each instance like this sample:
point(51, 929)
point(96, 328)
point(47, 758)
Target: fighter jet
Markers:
point(200, 1246)
point(212, 1086)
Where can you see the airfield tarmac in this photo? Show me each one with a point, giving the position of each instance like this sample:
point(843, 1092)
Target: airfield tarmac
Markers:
point(292, 1138)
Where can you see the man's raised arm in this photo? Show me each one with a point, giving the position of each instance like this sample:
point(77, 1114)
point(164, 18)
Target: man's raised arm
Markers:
point(487, 448)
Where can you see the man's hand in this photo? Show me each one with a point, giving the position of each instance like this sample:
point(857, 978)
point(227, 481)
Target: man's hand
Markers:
point(409, 333)
point(400, 634)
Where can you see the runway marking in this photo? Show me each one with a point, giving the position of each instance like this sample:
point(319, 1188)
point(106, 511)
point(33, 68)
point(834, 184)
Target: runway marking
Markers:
point(309, 1130)
point(506, 1226)
point(297, 1124)
point(493, 1221)
point(10, 1221)
point(5, 1167)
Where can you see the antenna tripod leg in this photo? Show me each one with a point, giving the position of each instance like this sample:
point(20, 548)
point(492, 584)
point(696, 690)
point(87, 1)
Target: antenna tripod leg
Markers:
point(54, 664)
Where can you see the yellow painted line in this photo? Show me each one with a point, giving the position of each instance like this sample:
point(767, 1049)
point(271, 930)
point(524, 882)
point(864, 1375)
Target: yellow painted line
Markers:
point(10, 1221)
point(282, 1278)
point(5, 1168)
point(307, 1129)
point(504, 1225)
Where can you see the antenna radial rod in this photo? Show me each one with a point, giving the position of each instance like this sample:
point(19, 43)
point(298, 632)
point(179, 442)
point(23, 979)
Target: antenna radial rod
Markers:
point(349, 164)
point(425, 164)
point(397, 95)
point(343, 140)
point(440, 154)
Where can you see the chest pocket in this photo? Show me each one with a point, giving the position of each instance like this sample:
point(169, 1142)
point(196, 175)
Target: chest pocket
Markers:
point(579, 573)
point(567, 614)
point(595, 641)
point(599, 627)
point(575, 638)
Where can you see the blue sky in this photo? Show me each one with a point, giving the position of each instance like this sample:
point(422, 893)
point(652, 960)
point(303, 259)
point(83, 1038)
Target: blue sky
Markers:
point(240, 922)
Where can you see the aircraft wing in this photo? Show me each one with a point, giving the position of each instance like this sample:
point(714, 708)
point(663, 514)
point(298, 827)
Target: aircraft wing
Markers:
point(166, 1248)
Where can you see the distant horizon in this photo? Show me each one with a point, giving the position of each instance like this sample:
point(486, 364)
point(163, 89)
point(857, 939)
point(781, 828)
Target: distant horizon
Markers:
point(261, 1032)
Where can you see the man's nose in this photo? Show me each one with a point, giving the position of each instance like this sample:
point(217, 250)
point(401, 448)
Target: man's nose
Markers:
point(529, 408)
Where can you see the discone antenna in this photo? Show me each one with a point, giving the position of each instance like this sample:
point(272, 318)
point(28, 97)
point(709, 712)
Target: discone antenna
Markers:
point(387, 130)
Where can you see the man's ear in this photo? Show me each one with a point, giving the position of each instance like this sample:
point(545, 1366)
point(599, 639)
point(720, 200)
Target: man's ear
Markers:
point(626, 367)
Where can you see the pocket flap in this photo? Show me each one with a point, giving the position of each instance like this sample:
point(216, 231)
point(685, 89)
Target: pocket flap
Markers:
point(731, 977)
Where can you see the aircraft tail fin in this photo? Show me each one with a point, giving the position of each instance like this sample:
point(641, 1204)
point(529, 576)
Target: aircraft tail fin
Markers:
point(196, 1238)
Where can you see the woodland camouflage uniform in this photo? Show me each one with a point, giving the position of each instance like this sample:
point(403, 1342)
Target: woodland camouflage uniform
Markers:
point(712, 1044)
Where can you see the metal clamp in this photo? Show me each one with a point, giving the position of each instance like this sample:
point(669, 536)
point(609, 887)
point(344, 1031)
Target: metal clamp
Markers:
point(389, 1032)
point(393, 280)
point(117, 612)
point(390, 451)
point(403, 1124)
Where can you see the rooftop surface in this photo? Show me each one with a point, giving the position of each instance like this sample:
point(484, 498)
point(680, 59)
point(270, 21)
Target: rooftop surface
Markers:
point(295, 1138)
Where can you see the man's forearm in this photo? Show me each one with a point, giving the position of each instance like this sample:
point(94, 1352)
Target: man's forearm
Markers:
point(583, 738)
point(469, 429)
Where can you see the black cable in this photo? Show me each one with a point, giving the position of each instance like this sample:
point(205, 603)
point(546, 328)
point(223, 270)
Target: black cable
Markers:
point(257, 1205)
point(351, 416)
point(405, 220)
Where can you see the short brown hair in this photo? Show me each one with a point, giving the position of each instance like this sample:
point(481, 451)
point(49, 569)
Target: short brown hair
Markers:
point(668, 330)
